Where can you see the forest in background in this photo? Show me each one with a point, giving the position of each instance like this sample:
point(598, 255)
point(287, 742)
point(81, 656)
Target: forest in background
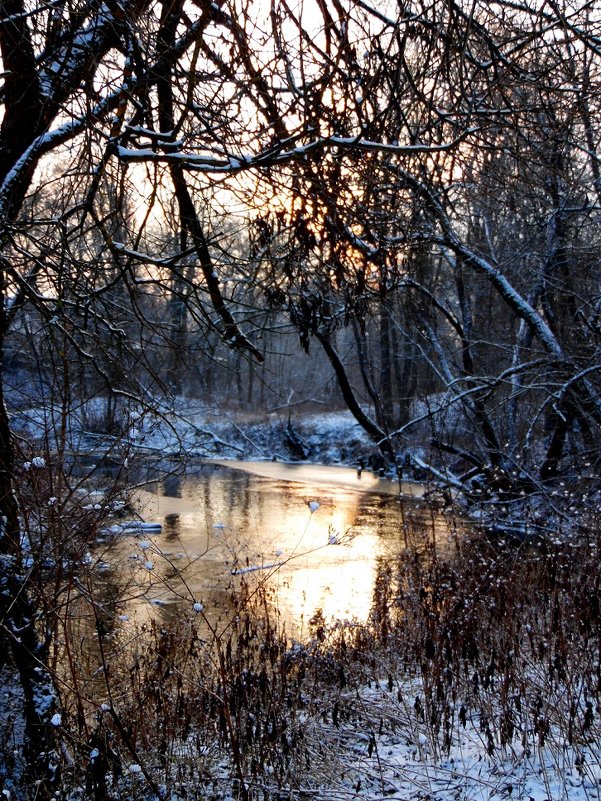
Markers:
point(393, 208)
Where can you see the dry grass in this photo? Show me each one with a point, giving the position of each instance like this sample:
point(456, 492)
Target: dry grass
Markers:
point(498, 639)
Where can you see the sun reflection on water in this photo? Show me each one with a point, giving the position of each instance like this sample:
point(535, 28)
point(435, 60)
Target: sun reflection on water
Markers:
point(316, 545)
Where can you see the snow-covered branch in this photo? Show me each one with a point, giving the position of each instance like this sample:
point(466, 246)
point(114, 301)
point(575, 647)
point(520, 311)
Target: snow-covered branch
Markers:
point(206, 162)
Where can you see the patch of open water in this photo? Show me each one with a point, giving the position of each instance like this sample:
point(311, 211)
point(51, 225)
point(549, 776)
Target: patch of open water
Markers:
point(316, 535)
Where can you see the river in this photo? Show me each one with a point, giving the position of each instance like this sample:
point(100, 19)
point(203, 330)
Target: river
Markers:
point(314, 535)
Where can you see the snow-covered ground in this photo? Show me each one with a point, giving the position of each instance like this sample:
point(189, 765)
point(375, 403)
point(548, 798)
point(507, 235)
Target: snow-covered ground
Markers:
point(382, 750)
point(327, 437)
point(192, 429)
point(392, 755)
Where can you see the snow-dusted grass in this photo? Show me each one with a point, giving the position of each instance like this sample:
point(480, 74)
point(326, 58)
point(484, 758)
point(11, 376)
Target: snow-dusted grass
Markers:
point(401, 754)
point(391, 754)
point(478, 677)
point(492, 686)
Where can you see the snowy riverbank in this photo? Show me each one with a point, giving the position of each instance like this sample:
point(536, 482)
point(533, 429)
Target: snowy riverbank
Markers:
point(475, 679)
point(188, 428)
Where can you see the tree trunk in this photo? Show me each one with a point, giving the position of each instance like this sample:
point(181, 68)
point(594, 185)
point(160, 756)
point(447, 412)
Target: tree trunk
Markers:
point(405, 374)
point(385, 368)
point(17, 616)
point(561, 423)
point(367, 379)
point(380, 438)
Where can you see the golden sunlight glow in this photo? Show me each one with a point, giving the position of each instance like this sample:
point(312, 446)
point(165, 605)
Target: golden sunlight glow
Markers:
point(310, 536)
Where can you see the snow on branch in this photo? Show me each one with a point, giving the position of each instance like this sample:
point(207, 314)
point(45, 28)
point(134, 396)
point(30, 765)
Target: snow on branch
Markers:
point(444, 476)
point(205, 162)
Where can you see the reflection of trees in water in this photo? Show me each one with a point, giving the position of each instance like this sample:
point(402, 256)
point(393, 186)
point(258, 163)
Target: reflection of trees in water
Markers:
point(171, 527)
point(172, 485)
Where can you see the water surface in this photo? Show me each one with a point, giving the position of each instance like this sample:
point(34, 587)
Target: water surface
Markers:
point(313, 535)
